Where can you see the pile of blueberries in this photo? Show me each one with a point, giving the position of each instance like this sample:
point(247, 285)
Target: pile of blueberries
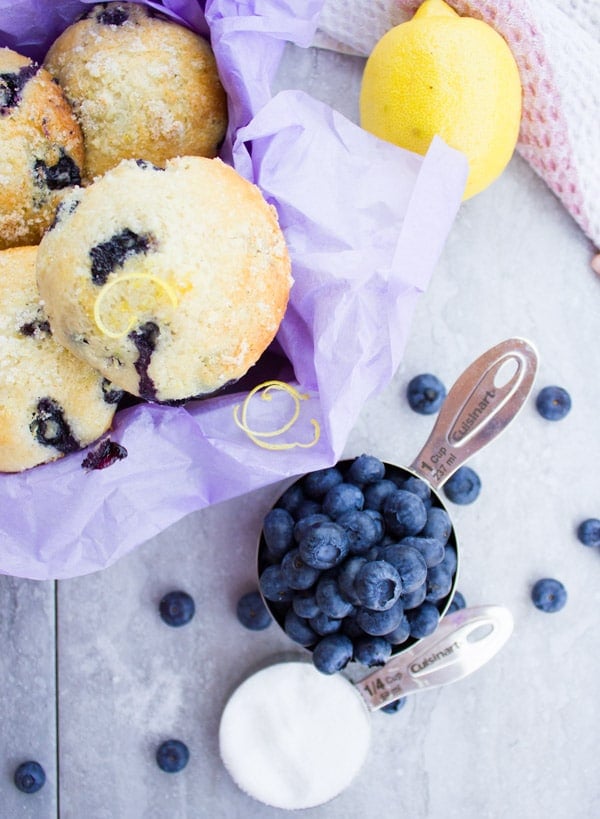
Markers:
point(357, 561)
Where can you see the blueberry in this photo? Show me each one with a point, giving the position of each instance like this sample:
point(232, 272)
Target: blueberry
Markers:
point(438, 524)
point(104, 454)
point(413, 599)
point(37, 328)
point(306, 509)
point(419, 488)
point(172, 756)
point(325, 624)
point(549, 594)
point(377, 519)
point(588, 532)
point(394, 706)
point(324, 546)
point(110, 393)
point(400, 634)
point(330, 599)
point(464, 486)
point(425, 393)
point(439, 583)
point(366, 469)
point(379, 623)
point(409, 563)
point(432, 550)
point(378, 585)
point(305, 604)
point(347, 577)
point(29, 777)
point(291, 498)
point(273, 585)
point(302, 525)
point(404, 513)
point(372, 651)
point(458, 602)
point(332, 653)
point(252, 612)
point(64, 174)
point(298, 629)
point(362, 529)
point(376, 493)
point(50, 427)
point(12, 84)
point(107, 256)
point(177, 608)
point(450, 560)
point(553, 403)
point(278, 530)
point(342, 498)
point(351, 629)
point(423, 620)
point(145, 339)
point(296, 573)
point(317, 484)
point(114, 16)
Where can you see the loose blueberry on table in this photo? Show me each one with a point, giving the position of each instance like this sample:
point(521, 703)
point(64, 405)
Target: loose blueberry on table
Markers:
point(252, 612)
point(464, 486)
point(367, 571)
point(425, 393)
point(172, 756)
point(177, 608)
point(588, 532)
point(553, 403)
point(549, 594)
point(29, 777)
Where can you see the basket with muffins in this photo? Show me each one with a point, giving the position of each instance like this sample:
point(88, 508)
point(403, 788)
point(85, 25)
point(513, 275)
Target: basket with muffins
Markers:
point(152, 208)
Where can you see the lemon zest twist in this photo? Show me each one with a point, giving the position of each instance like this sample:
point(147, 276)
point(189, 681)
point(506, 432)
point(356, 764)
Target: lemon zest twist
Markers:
point(98, 304)
point(258, 437)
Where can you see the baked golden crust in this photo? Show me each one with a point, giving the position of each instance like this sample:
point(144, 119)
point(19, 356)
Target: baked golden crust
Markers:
point(51, 403)
point(171, 282)
point(42, 149)
point(141, 87)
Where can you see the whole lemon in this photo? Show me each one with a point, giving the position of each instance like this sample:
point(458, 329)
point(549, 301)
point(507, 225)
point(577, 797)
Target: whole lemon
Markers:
point(443, 74)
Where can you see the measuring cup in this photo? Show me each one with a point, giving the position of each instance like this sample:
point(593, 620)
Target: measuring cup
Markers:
point(478, 407)
point(294, 738)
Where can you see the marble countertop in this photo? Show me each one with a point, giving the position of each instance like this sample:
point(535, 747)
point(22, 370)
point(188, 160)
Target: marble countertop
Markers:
point(92, 680)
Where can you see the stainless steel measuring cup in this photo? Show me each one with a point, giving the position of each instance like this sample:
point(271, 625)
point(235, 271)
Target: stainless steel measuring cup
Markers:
point(294, 738)
point(478, 407)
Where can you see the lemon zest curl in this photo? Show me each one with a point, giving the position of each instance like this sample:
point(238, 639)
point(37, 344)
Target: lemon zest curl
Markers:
point(98, 304)
point(258, 437)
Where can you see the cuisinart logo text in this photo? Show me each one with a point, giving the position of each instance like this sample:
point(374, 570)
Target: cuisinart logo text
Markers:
point(421, 665)
point(468, 422)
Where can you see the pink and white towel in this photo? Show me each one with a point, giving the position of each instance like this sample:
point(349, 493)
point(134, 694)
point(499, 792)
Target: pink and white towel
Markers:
point(556, 44)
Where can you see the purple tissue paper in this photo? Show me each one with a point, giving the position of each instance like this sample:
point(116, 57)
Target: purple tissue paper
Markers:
point(365, 223)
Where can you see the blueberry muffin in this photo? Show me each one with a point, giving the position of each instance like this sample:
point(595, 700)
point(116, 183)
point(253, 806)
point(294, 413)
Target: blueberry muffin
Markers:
point(42, 149)
point(51, 403)
point(141, 86)
point(171, 282)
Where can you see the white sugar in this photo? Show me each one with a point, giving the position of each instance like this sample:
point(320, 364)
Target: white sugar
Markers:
point(292, 737)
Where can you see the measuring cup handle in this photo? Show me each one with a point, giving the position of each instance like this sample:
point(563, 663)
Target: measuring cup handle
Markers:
point(478, 407)
point(463, 642)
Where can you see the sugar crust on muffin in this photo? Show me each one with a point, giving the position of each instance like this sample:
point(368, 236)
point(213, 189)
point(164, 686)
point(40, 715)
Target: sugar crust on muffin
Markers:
point(140, 84)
